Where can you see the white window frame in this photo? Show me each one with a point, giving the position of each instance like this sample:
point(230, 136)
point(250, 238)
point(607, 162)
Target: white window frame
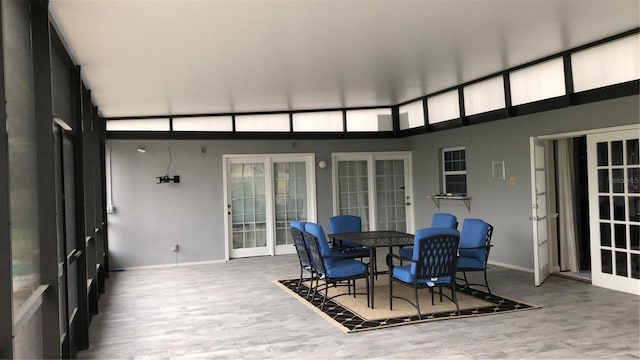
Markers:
point(457, 172)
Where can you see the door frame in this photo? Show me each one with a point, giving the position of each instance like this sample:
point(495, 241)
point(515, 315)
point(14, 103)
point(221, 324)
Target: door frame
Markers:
point(268, 160)
point(573, 134)
point(371, 157)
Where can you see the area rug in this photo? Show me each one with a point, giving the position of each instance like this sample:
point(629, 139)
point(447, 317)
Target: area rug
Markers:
point(351, 314)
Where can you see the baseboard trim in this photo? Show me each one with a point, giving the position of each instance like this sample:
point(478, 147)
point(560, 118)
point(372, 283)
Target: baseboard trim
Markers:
point(509, 266)
point(133, 268)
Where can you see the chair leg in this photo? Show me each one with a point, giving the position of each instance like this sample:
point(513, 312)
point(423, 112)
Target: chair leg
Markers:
point(486, 282)
point(464, 273)
point(390, 293)
point(415, 290)
point(326, 293)
point(454, 297)
point(432, 296)
point(300, 281)
point(440, 288)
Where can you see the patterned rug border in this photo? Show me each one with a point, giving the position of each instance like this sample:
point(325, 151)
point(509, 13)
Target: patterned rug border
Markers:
point(349, 321)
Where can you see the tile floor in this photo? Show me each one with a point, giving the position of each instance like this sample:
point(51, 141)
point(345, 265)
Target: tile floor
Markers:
point(233, 310)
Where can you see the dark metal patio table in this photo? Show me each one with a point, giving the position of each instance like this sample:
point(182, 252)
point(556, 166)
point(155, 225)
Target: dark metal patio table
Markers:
point(373, 240)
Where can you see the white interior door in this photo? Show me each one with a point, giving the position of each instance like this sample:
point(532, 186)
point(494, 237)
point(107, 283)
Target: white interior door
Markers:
point(376, 187)
point(614, 213)
point(264, 193)
point(247, 207)
point(539, 217)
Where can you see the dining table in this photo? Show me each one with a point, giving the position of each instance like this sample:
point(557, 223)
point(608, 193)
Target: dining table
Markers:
point(372, 240)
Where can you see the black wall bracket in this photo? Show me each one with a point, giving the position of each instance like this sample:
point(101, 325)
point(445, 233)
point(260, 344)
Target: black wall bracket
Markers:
point(167, 179)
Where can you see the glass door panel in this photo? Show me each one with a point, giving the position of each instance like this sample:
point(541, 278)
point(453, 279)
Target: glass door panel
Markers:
point(248, 209)
point(388, 204)
point(353, 189)
point(614, 190)
point(291, 200)
point(390, 195)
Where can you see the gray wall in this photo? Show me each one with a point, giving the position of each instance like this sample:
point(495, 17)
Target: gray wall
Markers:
point(150, 217)
point(506, 207)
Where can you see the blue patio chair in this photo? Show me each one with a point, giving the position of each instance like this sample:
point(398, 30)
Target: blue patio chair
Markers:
point(433, 263)
point(297, 232)
point(475, 243)
point(334, 269)
point(439, 220)
point(325, 250)
point(348, 224)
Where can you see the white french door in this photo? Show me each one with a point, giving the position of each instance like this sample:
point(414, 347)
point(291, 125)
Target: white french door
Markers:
point(613, 160)
point(375, 186)
point(541, 249)
point(263, 194)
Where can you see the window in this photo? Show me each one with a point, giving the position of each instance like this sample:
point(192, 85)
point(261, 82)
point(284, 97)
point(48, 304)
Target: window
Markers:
point(412, 115)
point(454, 170)
point(443, 107)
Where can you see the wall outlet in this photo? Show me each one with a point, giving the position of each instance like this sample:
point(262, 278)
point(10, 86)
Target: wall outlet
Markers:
point(175, 247)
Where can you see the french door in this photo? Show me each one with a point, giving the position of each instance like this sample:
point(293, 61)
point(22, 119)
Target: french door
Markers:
point(541, 250)
point(376, 187)
point(263, 194)
point(614, 212)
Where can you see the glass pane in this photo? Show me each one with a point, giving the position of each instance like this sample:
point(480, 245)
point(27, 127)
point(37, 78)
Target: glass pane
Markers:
point(369, 120)
point(263, 123)
point(412, 115)
point(616, 153)
point(322, 121)
point(443, 107)
point(633, 152)
point(634, 237)
point(634, 208)
point(606, 261)
point(605, 234)
point(618, 208)
point(210, 123)
point(603, 180)
point(621, 263)
point(633, 180)
point(617, 180)
point(537, 82)
point(603, 154)
point(484, 96)
point(138, 125)
point(611, 63)
point(635, 266)
point(620, 236)
point(605, 211)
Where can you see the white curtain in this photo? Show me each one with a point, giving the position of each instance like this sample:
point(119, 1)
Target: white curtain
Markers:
point(566, 206)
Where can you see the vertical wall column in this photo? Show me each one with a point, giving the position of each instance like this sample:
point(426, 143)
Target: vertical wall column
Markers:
point(6, 303)
point(43, 105)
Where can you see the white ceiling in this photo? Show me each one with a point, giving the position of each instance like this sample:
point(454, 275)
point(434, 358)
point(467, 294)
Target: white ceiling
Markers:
point(151, 57)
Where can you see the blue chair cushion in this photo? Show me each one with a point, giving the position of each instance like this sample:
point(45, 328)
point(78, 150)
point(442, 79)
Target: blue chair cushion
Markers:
point(404, 274)
point(345, 223)
point(473, 239)
point(406, 252)
point(316, 230)
point(297, 225)
point(469, 263)
point(344, 268)
point(444, 220)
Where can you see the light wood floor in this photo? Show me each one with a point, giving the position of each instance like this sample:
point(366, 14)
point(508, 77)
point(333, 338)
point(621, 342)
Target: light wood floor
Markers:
point(233, 310)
